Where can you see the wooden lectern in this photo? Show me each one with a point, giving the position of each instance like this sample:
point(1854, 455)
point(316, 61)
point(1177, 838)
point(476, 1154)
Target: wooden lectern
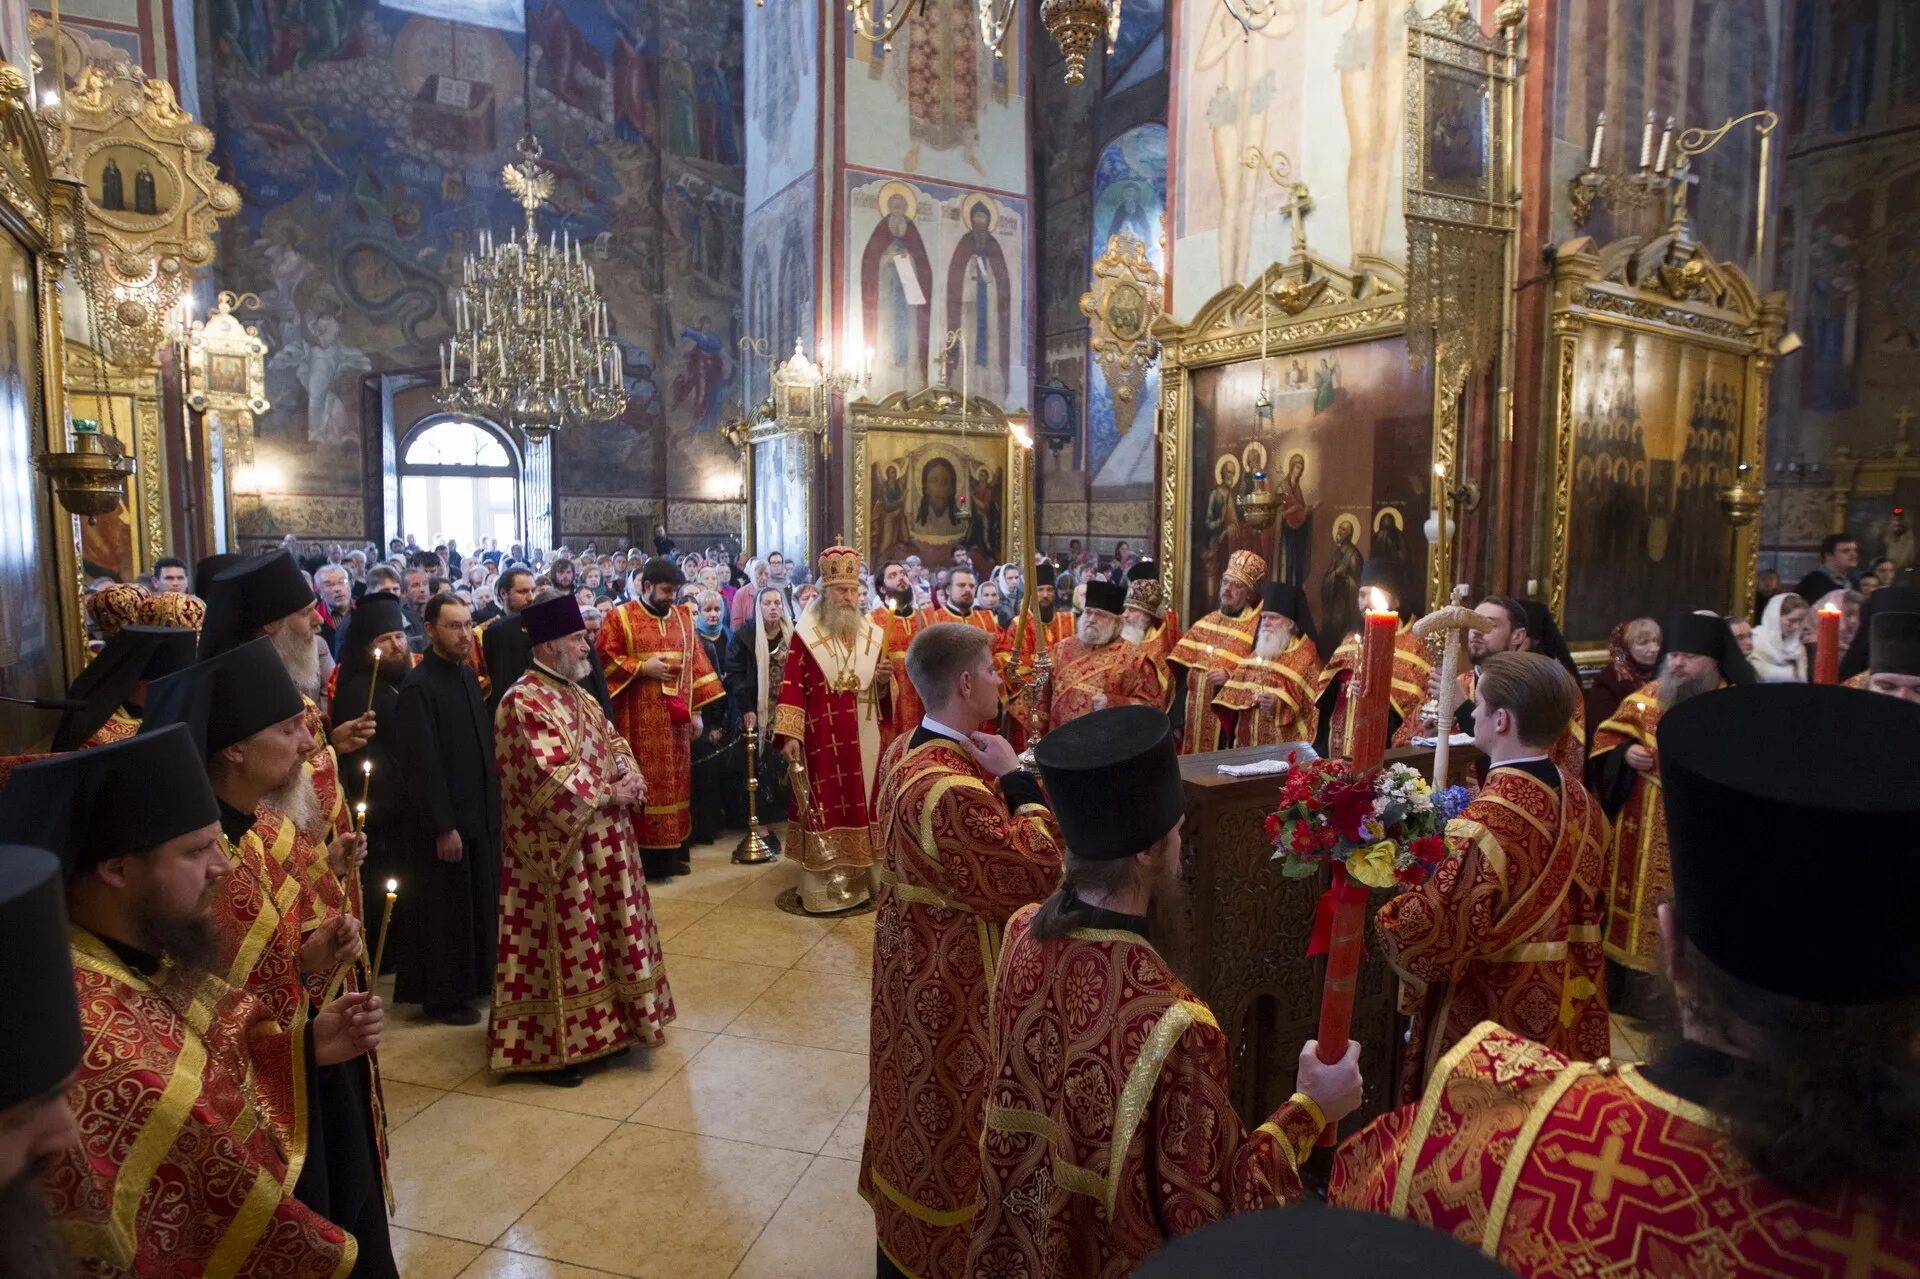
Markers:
point(1245, 945)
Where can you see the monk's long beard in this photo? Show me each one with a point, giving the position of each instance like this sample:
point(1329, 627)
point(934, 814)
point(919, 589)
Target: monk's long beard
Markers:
point(1133, 632)
point(840, 621)
point(29, 1243)
point(1044, 610)
point(297, 800)
point(394, 667)
point(1098, 632)
point(1271, 645)
point(1674, 689)
point(301, 656)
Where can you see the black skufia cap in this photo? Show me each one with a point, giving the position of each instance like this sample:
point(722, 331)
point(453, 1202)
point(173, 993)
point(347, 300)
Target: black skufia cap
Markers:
point(1110, 596)
point(40, 1040)
point(225, 699)
point(1141, 570)
point(1279, 1243)
point(1763, 786)
point(88, 806)
point(135, 653)
point(249, 596)
point(1888, 599)
point(377, 613)
point(1896, 644)
point(1387, 574)
point(1113, 779)
point(1547, 639)
point(1708, 635)
point(1289, 600)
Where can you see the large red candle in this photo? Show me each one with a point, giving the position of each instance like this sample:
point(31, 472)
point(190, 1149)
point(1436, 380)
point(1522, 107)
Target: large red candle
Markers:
point(1373, 685)
point(1826, 658)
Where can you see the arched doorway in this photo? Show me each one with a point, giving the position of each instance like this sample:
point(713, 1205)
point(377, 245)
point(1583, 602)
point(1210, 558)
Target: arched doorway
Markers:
point(459, 478)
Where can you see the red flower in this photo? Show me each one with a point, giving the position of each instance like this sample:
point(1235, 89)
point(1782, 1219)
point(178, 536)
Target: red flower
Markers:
point(1347, 805)
point(1429, 849)
point(1411, 875)
point(1273, 827)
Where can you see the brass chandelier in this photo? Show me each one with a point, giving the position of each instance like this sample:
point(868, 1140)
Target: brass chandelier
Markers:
point(1073, 24)
point(532, 345)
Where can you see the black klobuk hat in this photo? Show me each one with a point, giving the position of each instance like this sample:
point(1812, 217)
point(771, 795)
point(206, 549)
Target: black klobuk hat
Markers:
point(88, 806)
point(40, 1041)
point(225, 699)
point(1113, 778)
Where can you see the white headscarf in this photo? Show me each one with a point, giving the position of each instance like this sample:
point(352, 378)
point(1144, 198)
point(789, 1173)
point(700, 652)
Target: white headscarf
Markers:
point(1776, 659)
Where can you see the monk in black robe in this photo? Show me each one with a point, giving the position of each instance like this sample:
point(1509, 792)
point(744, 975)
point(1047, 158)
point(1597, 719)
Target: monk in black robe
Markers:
point(443, 746)
point(378, 623)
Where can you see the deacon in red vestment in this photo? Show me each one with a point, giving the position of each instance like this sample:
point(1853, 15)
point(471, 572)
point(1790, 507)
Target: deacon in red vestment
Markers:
point(833, 700)
point(1380, 585)
point(1097, 669)
point(893, 614)
point(659, 677)
point(1507, 928)
point(1773, 1137)
point(966, 840)
point(580, 974)
point(1700, 655)
point(191, 1098)
point(1109, 1127)
point(1207, 654)
point(1268, 698)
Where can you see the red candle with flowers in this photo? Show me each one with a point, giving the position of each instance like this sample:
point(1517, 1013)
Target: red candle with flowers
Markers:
point(1374, 680)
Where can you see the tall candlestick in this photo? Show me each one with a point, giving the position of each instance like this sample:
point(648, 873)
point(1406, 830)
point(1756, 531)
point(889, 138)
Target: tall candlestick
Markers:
point(1599, 132)
point(1826, 660)
point(1442, 490)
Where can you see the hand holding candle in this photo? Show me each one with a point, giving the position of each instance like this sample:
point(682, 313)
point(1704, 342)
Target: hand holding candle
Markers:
point(1826, 659)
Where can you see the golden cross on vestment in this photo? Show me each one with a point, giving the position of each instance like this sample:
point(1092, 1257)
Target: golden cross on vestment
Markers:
point(1607, 1169)
point(1862, 1251)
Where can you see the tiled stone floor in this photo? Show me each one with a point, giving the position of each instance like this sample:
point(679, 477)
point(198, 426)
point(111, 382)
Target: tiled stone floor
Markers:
point(730, 1150)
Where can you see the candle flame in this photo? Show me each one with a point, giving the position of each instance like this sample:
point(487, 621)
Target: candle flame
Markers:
point(1377, 601)
point(366, 766)
point(378, 652)
point(1439, 470)
point(1830, 610)
point(393, 886)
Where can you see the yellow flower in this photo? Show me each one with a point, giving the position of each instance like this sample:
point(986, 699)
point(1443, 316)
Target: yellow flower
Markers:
point(1372, 865)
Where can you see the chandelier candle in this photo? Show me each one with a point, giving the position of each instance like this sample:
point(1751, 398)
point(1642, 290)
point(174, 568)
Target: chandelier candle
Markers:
point(1826, 659)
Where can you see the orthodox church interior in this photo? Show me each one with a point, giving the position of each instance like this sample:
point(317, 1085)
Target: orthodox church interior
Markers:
point(1609, 304)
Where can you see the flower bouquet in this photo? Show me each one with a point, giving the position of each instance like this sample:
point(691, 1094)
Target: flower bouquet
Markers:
point(1380, 828)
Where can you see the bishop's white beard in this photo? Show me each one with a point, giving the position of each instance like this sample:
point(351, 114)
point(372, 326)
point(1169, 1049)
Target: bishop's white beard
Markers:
point(1269, 644)
point(298, 800)
point(840, 621)
point(1133, 632)
point(301, 656)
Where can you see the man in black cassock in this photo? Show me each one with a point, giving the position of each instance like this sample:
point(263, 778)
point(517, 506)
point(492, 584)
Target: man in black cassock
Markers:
point(377, 623)
point(443, 747)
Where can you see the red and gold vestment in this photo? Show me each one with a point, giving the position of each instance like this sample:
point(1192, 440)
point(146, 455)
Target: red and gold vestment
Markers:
point(580, 973)
point(118, 728)
point(956, 864)
point(1022, 652)
point(1569, 753)
point(630, 636)
point(1508, 927)
point(191, 1106)
point(1118, 672)
point(1559, 1170)
point(1411, 669)
point(1294, 715)
point(831, 705)
point(1216, 643)
point(1639, 867)
point(261, 913)
point(905, 711)
point(1110, 1128)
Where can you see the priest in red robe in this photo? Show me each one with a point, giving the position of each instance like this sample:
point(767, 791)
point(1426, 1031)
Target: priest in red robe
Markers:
point(1774, 1135)
point(659, 677)
point(580, 974)
point(1097, 668)
point(193, 1118)
point(1507, 929)
point(833, 701)
point(1382, 586)
point(1268, 699)
point(1149, 625)
point(1109, 1125)
point(1207, 654)
point(966, 839)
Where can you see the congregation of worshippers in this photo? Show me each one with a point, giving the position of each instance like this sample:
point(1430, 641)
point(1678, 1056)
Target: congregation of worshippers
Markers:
point(959, 639)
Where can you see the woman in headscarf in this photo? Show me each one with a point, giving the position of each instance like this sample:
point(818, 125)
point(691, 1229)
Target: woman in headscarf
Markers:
point(1779, 647)
point(1635, 649)
point(755, 665)
point(714, 806)
point(744, 598)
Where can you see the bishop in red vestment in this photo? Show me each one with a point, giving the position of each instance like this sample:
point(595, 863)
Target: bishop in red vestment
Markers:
point(190, 1099)
point(1268, 698)
point(1771, 1137)
point(1109, 1127)
point(966, 840)
point(580, 974)
point(1097, 668)
point(1207, 653)
point(1507, 928)
point(1380, 585)
point(833, 701)
point(659, 677)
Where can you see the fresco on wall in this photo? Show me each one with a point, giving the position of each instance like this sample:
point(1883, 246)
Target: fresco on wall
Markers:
point(367, 142)
point(783, 94)
point(927, 260)
point(779, 284)
point(1129, 198)
point(1321, 83)
point(1140, 48)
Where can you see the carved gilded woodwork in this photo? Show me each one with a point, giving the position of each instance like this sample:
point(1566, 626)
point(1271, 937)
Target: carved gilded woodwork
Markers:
point(1122, 308)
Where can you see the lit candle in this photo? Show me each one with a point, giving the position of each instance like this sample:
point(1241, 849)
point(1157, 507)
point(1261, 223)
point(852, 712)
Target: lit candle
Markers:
point(1374, 682)
point(1666, 139)
point(360, 816)
point(374, 683)
point(1826, 661)
point(1599, 132)
point(1440, 488)
point(1646, 141)
point(386, 918)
